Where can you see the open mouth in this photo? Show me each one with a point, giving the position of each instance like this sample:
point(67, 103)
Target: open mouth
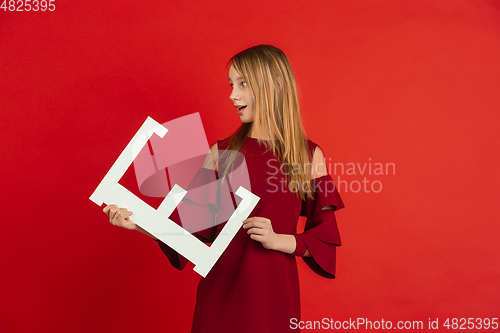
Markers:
point(241, 109)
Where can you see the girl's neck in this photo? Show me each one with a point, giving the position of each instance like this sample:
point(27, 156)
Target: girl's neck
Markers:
point(254, 135)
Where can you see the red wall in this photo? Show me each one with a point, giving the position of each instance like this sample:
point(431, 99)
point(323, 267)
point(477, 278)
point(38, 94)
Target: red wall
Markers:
point(413, 83)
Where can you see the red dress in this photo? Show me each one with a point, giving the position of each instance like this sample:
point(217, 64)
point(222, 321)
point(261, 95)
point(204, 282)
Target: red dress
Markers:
point(250, 288)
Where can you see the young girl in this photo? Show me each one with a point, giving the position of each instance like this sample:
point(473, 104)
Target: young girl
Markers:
point(254, 285)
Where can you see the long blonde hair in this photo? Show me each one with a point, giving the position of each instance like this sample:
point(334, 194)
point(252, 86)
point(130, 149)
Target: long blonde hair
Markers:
point(269, 75)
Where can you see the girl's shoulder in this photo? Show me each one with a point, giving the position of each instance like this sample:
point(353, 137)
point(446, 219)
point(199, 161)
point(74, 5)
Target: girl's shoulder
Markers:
point(311, 145)
point(317, 158)
point(220, 144)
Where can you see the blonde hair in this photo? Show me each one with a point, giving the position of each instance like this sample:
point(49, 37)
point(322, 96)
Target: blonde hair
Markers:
point(269, 76)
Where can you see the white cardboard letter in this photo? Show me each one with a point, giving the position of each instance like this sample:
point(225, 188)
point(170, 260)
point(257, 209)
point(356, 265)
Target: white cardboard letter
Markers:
point(156, 221)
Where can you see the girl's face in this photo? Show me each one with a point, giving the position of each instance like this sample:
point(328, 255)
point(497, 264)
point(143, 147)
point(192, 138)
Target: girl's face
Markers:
point(241, 96)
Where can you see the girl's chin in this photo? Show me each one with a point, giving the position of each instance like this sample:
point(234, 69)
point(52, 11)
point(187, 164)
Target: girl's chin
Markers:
point(246, 121)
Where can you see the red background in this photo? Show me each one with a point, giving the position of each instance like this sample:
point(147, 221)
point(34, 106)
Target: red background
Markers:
point(414, 83)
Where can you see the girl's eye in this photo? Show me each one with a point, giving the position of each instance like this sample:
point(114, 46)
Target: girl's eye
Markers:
point(244, 84)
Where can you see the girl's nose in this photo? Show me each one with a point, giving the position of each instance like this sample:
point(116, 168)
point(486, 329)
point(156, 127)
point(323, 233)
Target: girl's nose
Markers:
point(233, 96)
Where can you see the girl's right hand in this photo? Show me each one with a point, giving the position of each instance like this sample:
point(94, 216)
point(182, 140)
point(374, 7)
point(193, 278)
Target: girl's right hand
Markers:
point(119, 217)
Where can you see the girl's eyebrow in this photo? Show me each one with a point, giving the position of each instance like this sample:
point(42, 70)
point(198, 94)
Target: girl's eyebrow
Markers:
point(239, 78)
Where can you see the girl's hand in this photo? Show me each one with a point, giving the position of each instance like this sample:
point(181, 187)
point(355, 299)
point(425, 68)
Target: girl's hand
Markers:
point(261, 230)
point(119, 217)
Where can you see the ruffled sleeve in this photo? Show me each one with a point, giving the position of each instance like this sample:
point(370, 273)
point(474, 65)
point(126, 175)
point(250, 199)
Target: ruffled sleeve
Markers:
point(196, 212)
point(321, 235)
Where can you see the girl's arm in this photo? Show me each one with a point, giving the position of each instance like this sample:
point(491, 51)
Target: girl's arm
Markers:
point(288, 244)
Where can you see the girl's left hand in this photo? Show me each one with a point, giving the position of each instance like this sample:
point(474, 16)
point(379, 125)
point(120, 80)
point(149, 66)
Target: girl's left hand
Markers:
point(261, 230)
